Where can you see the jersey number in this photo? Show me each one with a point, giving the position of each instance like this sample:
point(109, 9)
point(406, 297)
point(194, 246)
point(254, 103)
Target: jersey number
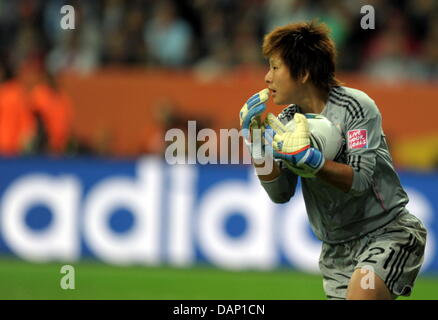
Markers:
point(377, 251)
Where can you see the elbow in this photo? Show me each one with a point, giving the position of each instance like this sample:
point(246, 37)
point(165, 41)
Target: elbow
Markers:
point(360, 185)
point(357, 191)
point(279, 200)
point(282, 198)
point(280, 190)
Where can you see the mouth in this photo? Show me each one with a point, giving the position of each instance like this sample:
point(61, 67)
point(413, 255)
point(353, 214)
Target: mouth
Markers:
point(273, 92)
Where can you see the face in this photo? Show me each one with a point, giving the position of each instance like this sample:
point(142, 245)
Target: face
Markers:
point(282, 87)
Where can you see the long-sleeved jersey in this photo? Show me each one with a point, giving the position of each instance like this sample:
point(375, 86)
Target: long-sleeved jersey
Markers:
point(376, 196)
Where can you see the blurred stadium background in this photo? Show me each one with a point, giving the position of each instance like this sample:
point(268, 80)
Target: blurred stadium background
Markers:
point(84, 112)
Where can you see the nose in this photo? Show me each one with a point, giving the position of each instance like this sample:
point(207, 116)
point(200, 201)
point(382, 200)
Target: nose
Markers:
point(268, 77)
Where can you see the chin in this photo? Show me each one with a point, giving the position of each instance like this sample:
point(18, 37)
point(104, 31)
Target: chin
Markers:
point(279, 102)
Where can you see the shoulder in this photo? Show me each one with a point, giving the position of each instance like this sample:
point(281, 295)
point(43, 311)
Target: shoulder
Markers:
point(358, 104)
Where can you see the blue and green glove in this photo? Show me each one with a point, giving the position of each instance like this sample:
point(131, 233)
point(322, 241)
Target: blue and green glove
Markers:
point(294, 145)
point(250, 122)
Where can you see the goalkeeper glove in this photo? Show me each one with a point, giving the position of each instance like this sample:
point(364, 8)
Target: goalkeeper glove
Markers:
point(251, 124)
point(294, 146)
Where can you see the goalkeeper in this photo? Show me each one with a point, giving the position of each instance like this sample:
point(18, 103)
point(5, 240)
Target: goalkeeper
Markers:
point(355, 204)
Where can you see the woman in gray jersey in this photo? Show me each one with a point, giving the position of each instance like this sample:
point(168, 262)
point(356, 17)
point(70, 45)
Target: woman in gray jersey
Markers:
point(373, 247)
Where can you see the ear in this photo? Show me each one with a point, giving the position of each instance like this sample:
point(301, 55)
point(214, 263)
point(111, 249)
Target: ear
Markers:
point(305, 77)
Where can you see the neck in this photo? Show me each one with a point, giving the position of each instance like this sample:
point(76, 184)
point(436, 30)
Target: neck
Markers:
point(313, 100)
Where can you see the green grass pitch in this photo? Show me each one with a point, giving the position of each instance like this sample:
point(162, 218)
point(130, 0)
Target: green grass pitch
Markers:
point(94, 280)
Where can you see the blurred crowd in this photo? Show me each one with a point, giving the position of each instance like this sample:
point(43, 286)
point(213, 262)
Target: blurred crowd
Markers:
point(217, 33)
point(209, 36)
point(35, 113)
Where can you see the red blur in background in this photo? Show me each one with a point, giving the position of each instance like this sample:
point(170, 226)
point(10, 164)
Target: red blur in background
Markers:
point(123, 106)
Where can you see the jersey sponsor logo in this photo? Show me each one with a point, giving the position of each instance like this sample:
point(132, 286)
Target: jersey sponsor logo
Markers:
point(357, 139)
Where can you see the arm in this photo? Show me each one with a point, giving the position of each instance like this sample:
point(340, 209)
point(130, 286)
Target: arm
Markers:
point(337, 174)
point(275, 173)
point(279, 184)
point(355, 176)
point(363, 138)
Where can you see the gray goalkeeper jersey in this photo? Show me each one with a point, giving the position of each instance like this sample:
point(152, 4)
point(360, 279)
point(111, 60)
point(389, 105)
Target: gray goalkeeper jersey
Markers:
point(376, 196)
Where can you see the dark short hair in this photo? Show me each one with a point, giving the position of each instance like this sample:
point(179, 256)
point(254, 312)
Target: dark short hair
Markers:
point(305, 47)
